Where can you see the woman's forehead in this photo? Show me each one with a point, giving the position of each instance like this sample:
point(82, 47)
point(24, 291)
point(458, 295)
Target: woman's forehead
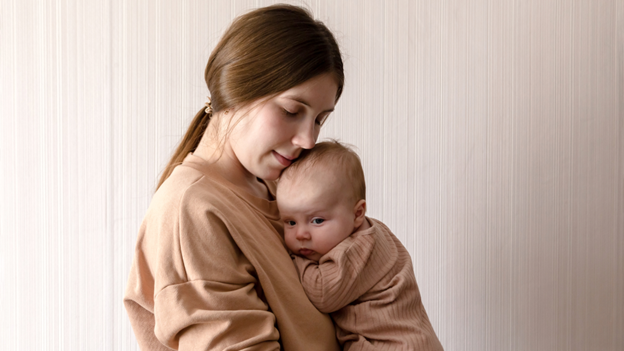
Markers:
point(318, 92)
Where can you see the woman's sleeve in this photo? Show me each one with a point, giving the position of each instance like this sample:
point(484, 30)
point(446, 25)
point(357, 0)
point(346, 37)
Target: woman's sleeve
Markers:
point(341, 276)
point(216, 304)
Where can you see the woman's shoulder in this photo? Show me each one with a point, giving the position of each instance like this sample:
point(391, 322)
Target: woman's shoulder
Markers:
point(187, 186)
point(194, 192)
point(187, 204)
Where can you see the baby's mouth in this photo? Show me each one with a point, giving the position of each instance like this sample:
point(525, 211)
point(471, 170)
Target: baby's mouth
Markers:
point(305, 252)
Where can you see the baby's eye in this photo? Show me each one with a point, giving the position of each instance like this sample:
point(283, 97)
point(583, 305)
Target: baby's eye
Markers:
point(291, 223)
point(318, 220)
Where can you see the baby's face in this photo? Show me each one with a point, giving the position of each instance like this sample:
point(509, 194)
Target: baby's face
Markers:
point(317, 215)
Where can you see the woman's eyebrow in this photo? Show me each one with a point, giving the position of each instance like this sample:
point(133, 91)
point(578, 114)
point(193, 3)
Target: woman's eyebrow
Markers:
point(302, 101)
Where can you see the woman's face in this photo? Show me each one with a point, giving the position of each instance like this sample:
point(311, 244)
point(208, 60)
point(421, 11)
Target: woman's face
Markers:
point(273, 132)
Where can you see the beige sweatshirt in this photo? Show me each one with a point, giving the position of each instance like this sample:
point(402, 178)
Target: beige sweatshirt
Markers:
point(211, 272)
point(367, 283)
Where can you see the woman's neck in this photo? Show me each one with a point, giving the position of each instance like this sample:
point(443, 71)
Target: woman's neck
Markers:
point(224, 161)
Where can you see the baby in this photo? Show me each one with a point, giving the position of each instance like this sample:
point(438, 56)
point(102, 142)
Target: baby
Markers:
point(350, 266)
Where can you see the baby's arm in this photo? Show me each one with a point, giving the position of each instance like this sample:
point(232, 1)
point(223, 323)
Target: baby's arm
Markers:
point(342, 275)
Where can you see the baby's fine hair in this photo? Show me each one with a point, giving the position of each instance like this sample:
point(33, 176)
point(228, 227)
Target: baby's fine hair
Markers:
point(333, 156)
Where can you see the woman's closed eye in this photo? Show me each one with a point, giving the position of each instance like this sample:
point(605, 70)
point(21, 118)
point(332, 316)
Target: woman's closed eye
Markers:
point(289, 113)
point(320, 120)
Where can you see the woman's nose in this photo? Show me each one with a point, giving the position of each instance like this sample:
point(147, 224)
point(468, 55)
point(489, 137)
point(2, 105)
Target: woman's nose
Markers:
point(306, 135)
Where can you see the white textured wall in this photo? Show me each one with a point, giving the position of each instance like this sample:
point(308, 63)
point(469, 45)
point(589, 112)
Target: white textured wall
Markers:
point(492, 135)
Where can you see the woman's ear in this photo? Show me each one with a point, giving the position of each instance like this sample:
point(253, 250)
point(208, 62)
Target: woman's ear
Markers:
point(360, 213)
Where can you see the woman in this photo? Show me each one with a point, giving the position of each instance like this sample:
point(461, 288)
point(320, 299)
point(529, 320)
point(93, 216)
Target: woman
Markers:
point(211, 271)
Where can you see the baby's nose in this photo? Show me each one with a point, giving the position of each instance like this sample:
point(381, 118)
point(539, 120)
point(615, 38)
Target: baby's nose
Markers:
point(302, 234)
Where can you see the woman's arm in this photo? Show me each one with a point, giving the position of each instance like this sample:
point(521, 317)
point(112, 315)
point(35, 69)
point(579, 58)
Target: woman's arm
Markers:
point(215, 306)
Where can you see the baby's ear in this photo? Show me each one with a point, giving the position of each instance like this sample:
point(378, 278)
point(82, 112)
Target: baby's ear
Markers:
point(360, 213)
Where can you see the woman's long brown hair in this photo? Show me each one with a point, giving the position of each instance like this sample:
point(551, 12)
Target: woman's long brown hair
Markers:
point(263, 52)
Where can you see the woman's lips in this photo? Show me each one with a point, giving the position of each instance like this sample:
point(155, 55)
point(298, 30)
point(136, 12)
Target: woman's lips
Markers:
point(283, 160)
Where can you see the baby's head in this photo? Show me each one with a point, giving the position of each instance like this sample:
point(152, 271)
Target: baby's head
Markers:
point(321, 199)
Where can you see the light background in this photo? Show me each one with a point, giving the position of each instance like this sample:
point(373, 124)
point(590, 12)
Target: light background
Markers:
point(491, 132)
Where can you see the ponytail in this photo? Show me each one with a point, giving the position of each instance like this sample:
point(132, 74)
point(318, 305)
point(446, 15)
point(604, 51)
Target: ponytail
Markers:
point(189, 143)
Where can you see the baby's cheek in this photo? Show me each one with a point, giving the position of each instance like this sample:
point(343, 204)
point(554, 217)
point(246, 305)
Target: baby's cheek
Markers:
point(289, 239)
